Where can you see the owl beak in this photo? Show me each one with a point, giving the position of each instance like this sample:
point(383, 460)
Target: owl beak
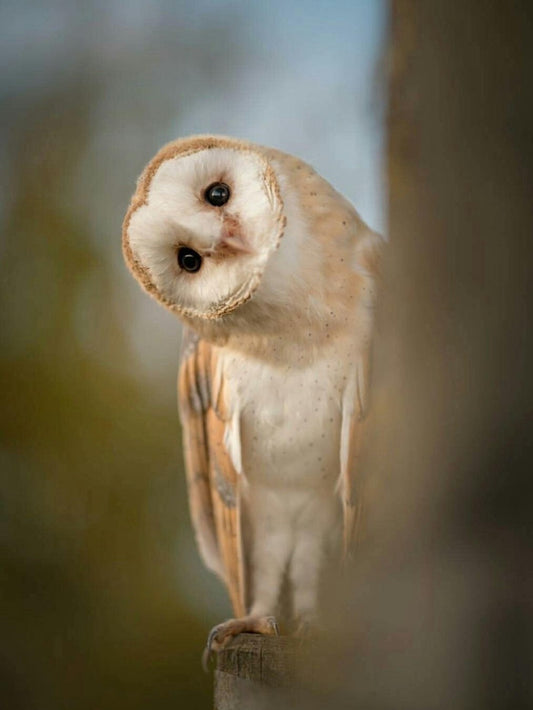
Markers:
point(234, 242)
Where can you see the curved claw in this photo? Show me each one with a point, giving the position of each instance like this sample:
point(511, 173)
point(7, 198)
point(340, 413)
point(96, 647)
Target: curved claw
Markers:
point(274, 624)
point(208, 650)
point(206, 658)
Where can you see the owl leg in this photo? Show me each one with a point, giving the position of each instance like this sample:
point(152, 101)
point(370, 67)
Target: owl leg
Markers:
point(221, 634)
point(304, 572)
point(270, 554)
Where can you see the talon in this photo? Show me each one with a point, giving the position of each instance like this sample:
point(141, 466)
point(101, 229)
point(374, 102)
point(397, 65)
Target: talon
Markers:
point(206, 658)
point(207, 655)
point(212, 634)
point(274, 625)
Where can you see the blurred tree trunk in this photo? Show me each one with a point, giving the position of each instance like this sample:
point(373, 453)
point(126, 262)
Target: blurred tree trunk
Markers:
point(440, 605)
point(447, 601)
point(461, 222)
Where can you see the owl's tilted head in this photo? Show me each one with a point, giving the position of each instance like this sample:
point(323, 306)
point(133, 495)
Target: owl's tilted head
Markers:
point(205, 218)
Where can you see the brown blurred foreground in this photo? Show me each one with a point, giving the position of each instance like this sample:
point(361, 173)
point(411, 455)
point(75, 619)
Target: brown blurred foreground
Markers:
point(440, 607)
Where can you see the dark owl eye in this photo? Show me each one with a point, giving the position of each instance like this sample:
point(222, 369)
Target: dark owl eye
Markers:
point(217, 194)
point(189, 260)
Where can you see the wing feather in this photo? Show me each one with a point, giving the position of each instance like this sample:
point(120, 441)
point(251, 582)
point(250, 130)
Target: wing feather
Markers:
point(352, 437)
point(212, 481)
point(356, 402)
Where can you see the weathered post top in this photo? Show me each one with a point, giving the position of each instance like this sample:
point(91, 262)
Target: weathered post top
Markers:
point(255, 671)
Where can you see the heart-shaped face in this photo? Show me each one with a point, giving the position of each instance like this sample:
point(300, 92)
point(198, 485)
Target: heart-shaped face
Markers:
point(202, 224)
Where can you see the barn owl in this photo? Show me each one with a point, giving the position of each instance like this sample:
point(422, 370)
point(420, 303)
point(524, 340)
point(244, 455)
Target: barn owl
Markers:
point(273, 274)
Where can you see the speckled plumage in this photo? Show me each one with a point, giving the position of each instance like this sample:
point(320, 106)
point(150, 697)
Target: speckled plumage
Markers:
point(273, 384)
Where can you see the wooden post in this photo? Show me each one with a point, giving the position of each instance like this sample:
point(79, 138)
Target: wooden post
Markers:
point(256, 672)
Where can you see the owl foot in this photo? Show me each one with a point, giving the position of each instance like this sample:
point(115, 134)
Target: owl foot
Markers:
point(221, 634)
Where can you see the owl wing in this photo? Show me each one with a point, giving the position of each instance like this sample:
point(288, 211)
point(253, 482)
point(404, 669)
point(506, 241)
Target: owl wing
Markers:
point(352, 435)
point(356, 398)
point(213, 483)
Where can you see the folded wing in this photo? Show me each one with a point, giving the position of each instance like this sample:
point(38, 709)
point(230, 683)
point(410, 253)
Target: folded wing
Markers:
point(213, 483)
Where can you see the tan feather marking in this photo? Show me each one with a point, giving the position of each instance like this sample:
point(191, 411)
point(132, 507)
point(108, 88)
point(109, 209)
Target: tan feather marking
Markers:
point(224, 488)
point(213, 483)
point(197, 464)
point(225, 495)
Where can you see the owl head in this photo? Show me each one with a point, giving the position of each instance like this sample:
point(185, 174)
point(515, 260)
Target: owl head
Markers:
point(203, 222)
